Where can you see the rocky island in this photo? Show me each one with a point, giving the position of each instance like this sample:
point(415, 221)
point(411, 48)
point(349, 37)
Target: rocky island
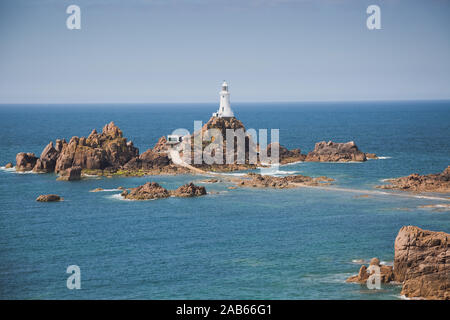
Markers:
point(110, 154)
point(421, 264)
point(255, 180)
point(438, 182)
point(152, 191)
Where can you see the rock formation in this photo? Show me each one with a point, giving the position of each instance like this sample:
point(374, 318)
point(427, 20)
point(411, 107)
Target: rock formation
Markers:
point(386, 273)
point(108, 150)
point(49, 198)
point(421, 264)
point(25, 161)
point(9, 165)
point(148, 191)
point(336, 152)
point(98, 151)
point(255, 180)
point(151, 159)
point(109, 153)
point(47, 161)
point(189, 190)
point(70, 174)
point(439, 182)
point(286, 155)
point(152, 190)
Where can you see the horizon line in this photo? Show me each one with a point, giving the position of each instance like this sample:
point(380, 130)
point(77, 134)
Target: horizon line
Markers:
point(234, 102)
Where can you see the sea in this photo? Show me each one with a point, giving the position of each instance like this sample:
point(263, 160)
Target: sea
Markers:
point(233, 243)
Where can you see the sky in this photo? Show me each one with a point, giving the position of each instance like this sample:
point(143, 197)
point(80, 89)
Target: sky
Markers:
point(144, 51)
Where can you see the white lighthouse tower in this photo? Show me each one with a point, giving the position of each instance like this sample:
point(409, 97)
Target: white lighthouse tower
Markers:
point(224, 107)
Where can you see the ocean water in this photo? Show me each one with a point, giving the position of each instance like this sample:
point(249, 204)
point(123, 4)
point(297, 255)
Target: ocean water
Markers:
point(236, 244)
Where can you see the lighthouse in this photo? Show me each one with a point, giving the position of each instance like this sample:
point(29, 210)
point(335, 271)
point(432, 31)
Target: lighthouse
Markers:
point(224, 107)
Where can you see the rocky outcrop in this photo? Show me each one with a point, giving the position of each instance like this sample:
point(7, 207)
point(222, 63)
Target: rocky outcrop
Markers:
point(98, 151)
point(336, 152)
point(25, 161)
point(286, 155)
point(107, 150)
point(49, 198)
point(223, 124)
point(152, 190)
point(71, 174)
point(255, 180)
point(422, 263)
point(148, 160)
point(189, 190)
point(9, 165)
point(386, 273)
point(439, 182)
point(161, 146)
point(47, 161)
point(148, 191)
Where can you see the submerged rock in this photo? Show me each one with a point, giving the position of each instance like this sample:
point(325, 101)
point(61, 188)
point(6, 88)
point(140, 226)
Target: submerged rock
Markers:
point(49, 198)
point(97, 190)
point(439, 182)
point(336, 152)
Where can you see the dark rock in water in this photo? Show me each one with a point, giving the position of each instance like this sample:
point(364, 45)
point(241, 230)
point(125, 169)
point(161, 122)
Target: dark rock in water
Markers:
point(189, 190)
point(49, 198)
point(148, 191)
point(438, 182)
point(25, 161)
point(9, 165)
point(47, 161)
point(71, 174)
point(421, 262)
point(336, 152)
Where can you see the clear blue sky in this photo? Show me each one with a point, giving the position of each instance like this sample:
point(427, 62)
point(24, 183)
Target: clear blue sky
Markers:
point(181, 50)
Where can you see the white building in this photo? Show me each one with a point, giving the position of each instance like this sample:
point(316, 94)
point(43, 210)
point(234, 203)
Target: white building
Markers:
point(224, 107)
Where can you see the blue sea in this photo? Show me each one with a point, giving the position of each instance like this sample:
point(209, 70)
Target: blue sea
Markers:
point(235, 244)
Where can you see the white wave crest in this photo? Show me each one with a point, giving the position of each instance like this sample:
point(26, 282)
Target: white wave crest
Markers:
point(13, 169)
point(106, 190)
point(117, 196)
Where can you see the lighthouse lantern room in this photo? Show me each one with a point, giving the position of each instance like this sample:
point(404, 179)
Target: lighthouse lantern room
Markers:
point(224, 107)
